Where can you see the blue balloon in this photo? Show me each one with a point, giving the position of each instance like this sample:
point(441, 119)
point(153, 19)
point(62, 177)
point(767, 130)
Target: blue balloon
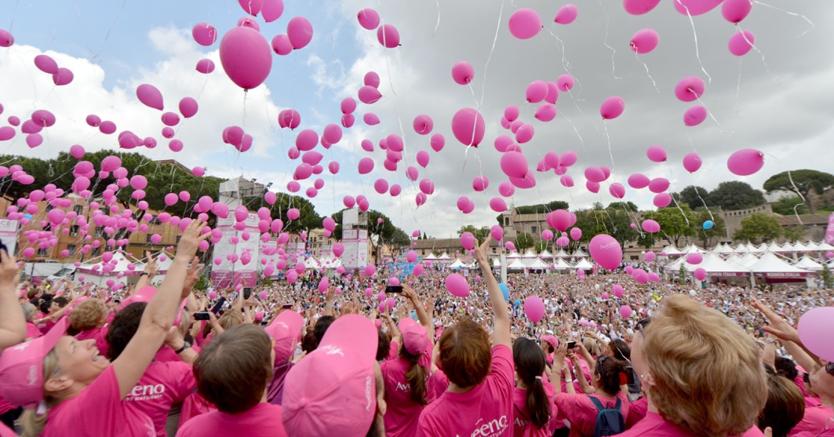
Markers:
point(505, 291)
point(518, 302)
point(709, 224)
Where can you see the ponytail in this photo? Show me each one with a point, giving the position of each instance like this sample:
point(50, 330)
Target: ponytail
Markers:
point(416, 377)
point(538, 406)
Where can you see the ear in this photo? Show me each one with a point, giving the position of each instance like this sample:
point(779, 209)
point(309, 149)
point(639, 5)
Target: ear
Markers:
point(57, 384)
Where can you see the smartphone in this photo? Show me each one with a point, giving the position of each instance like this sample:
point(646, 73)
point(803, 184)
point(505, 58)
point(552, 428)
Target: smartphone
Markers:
point(218, 306)
point(571, 344)
point(394, 289)
point(286, 306)
point(247, 292)
point(202, 315)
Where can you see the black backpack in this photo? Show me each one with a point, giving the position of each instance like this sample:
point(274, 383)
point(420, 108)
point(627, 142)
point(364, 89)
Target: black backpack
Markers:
point(609, 420)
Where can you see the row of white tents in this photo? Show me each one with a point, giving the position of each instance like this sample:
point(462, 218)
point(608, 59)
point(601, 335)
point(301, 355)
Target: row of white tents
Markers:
point(727, 249)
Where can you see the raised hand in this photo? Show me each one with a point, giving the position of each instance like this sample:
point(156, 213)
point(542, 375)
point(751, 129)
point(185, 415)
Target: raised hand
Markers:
point(777, 326)
point(9, 271)
point(190, 240)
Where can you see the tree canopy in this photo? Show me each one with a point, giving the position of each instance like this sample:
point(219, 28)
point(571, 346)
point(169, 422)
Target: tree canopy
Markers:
point(803, 180)
point(386, 230)
point(479, 233)
point(735, 195)
point(758, 228)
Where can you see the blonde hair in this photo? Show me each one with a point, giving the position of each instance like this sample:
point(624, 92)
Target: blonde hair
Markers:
point(707, 377)
point(230, 319)
point(88, 315)
point(32, 422)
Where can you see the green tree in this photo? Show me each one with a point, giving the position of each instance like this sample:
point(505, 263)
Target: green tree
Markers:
point(758, 228)
point(785, 205)
point(630, 206)
point(692, 196)
point(719, 229)
point(793, 233)
point(674, 223)
point(803, 180)
point(524, 241)
point(827, 279)
point(387, 232)
point(735, 195)
point(542, 208)
point(479, 233)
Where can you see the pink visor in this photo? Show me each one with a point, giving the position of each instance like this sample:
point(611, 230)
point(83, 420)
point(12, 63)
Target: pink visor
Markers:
point(21, 367)
point(285, 331)
point(332, 390)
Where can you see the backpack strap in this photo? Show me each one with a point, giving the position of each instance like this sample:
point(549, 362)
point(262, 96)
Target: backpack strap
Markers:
point(619, 402)
point(597, 403)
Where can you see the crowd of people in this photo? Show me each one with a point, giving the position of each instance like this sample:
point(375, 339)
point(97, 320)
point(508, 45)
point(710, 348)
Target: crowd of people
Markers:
point(288, 359)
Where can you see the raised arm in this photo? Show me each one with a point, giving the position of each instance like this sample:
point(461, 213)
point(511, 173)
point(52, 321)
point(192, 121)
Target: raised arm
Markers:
point(501, 322)
point(424, 316)
point(12, 322)
point(147, 273)
point(159, 314)
point(781, 329)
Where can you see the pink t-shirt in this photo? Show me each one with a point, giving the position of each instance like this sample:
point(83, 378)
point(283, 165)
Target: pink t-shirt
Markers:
point(262, 420)
point(653, 425)
point(163, 385)
point(816, 418)
point(484, 411)
point(99, 335)
point(98, 411)
point(522, 427)
point(6, 432)
point(402, 412)
point(582, 413)
point(32, 330)
point(637, 411)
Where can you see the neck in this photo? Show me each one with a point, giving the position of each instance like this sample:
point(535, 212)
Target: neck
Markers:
point(455, 389)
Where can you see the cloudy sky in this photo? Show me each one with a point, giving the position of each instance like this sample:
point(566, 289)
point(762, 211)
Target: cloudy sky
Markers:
point(778, 99)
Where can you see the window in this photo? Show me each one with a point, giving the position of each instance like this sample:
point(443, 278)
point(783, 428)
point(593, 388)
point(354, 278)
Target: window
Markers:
point(42, 252)
point(78, 209)
point(71, 249)
point(74, 230)
point(533, 229)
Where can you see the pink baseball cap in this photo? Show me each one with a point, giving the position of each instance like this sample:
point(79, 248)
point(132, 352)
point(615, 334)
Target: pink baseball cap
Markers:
point(332, 390)
point(551, 340)
point(21, 367)
point(415, 340)
point(145, 294)
point(285, 330)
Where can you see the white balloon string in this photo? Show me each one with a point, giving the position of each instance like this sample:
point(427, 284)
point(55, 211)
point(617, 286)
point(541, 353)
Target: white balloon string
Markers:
point(608, 139)
point(709, 112)
point(107, 33)
point(475, 99)
point(565, 62)
point(437, 23)
point(491, 51)
point(608, 46)
point(703, 202)
point(680, 209)
point(14, 15)
point(795, 189)
point(738, 85)
point(811, 24)
point(755, 48)
point(648, 73)
point(695, 38)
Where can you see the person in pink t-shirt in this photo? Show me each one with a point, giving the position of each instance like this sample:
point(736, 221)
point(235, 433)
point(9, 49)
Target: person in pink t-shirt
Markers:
point(87, 321)
point(80, 391)
point(785, 406)
point(12, 327)
point(479, 400)
point(285, 332)
point(701, 372)
point(409, 382)
point(533, 396)
point(164, 383)
point(233, 372)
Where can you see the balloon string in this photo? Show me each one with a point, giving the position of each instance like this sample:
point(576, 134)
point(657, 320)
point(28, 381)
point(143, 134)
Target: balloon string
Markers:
point(107, 33)
point(648, 73)
point(608, 139)
point(437, 23)
point(796, 190)
point(14, 14)
point(576, 131)
point(703, 202)
point(565, 62)
point(608, 46)
point(491, 51)
point(793, 14)
point(681, 210)
point(755, 47)
point(709, 112)
point(738, 83)
point(695, 37)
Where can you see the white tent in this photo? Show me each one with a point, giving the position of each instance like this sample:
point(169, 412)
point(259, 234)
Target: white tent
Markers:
point(583, 264)
point(444, 257)
point(670, 250)
point(311, 263)
point(691, 249)
point(431, 257)
point(807, 263)
point(773, 247)
point(786, 247)
point(458, 264)
point(516, 265)
point(529, 253)
point(771, 265)
point(560, 264)
point(799, 247)
point(712, 264)
point(538, 264)
point(721, 248)
point(496, 262)
point(748, 260)
point(513, 255)
point(740, 248)
point(579, 253)
point(812, 246)
point(824, 247)
point(123, 266)
point(562, 254)
point(545, 255)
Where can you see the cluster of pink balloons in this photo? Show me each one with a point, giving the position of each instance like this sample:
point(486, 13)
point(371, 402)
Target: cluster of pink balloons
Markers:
point(60, 76)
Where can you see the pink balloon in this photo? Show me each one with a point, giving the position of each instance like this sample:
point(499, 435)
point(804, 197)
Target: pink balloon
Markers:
point(497, 233)
point(306, 140)
point(566, 14)
point(566, 181)
point(395, 190)
point(694, 258)
point(565, 82)
point(536, 91)
point(332, 133)
point(204, 34)
point(650, 226)
point(524, 133)
point(497, 204)
point(468, 126)
point(506, 189)
point(695, 115)
point(745, 162)
point(76, 151)
point(612, 107)
point(525, 23)
point(251, 7)
point(423, 158)
point(656, 154)
point(62, 77)
point(300, 32)
point(457, 285)
point(560, 219)
point(281, 45)
point(188, 107)
point(815, 332)
point(170, 119)
point(170, 199)
point(371, 79)
point(638, 181)
point(289, 118)
point(468, 241)
point(575, 234)
point(388, 36)
point(369, 95)
point(592, 186)
point(625, 311)
point(658, 185)
point(34, 140)
point(245, 56)
point(370, 119)
point(465, 205)
point(480, 183)
point(644, 41)
point(272, 10)
point(366, 165)
point(692, 162)
point(534, 308)
point(546, 112)
point(349, 202)
point(741, 43)
point(46, 64)
point(463, 73)
point(381, 186)
point(662, 200)
point(6, 38)
point(606, 251)
point(695, 7)
point(700, 274)
point(423, 124)
point(547, 235)
point(617, 190)
point(205, 66)
point(735, 11)
point(368, 18)
point(150, 96)
point(594, 174)
point(689, 88)
point(426, 186)
point(639, 7)
point(649, 256)
point(514, 164)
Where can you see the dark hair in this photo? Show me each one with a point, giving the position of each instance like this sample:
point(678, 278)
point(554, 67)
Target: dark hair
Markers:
point(383, 346)
point(123, 327)
point(786, 367)
point(529, 365)
point(234, 369)
point(44, 302)
point(61, 301)
point(609, 370)
point(321, 327)
point(620, 349)
point(416, 377)
point(784, 408)
point(308, 341)
point(465, 353)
